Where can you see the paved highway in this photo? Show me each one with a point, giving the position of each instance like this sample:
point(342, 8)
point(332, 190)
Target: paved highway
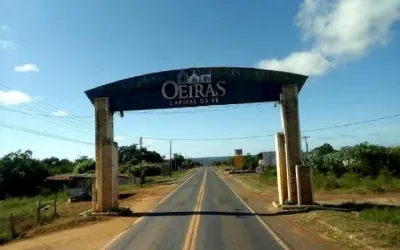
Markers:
point(202, 214)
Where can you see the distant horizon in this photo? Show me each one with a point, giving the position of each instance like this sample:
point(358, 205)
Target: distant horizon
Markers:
point(213, 156)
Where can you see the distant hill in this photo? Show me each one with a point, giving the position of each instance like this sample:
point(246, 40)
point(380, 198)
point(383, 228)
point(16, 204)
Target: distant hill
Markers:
point(208, 160)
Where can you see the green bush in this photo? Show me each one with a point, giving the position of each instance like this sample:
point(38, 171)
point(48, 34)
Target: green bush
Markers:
point(21, 174)
point(356, 184)
point(152, 169)
point(85, 166)
point(149, 169)
point(363, 160)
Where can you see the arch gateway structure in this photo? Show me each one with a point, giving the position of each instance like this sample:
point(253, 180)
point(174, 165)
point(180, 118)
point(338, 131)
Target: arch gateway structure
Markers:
point(201, 87)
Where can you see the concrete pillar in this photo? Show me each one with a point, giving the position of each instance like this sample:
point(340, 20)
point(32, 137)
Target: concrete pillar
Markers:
point(115, 176)
point(104, 147)
point(304, 185)
point(291, 128)
point(281, 172)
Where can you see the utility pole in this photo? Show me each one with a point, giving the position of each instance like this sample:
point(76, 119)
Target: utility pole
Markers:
point(141, 160)
point(170, 157)
point(305, 139)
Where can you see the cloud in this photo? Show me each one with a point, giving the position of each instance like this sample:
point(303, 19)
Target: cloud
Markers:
point(13, 97)
point(7, 44)
point(118, 138)
point(309, 63)
point(339, 31)
point(26, 68)
point(59, 113)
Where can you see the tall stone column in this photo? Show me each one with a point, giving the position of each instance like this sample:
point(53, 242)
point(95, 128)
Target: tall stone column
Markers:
point(104, 156)
point(291, 128)
point(281, 167)
point(115, 176)
point(304, 185)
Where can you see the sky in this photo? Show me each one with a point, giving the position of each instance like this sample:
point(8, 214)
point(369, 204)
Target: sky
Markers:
point(52, 51)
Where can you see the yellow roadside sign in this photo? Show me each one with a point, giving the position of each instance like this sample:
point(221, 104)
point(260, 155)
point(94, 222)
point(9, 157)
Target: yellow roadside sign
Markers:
point(238, 161)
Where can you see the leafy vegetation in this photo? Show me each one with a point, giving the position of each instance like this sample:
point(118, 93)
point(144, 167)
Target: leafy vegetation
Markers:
point(363, 160)
point(20, 167)
point(359, 169)
point(85, 166)
point(22, 200)
point(134, 160)
point(133, 155)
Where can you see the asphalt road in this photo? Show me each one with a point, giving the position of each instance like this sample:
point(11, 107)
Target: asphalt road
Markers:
point(203, 214)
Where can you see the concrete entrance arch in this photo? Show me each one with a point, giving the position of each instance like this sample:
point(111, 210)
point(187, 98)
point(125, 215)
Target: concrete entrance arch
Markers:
point(201, 87)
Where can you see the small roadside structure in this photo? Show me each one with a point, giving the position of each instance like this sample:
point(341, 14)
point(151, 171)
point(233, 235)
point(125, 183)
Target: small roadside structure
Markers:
point(78, 186)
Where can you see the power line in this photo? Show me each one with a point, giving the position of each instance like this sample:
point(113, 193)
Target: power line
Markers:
point(263, 136)
point(208, 109)
point(67, 122)
point(36, 132)
point(59, 125)
point(70, 124)
point(234, 106)
point(45, 115)
point(146, 112)
point(41, 105)
point(353, 123)
point(2, 124)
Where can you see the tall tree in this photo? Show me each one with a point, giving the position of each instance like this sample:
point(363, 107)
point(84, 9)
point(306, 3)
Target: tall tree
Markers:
point(21, 174)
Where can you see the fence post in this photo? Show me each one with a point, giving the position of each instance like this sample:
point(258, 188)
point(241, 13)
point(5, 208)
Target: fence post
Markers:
point(38, 212)
point(12, 227)
point(55, 206)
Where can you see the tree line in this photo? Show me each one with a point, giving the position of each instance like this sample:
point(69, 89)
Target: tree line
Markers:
point(249, 161)
point(136, 161)
point(23, 175)
point(363, 159)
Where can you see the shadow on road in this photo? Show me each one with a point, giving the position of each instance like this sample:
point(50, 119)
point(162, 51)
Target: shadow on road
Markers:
point(123, 196)
point(352, 206)
point(345, 207)
point(190, 213)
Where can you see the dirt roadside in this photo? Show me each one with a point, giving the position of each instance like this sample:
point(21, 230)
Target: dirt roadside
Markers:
point(97, 235)
point(294, 236)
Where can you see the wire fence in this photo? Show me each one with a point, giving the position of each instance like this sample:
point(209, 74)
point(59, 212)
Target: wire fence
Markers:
point(21, 214)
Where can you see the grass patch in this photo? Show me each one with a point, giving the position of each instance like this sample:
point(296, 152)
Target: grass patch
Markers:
point(352, 183)
point(264, 182)
point(24, 213)
point(368, 211)
point(389, 215)
point(375, 226)
point(348, 184)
